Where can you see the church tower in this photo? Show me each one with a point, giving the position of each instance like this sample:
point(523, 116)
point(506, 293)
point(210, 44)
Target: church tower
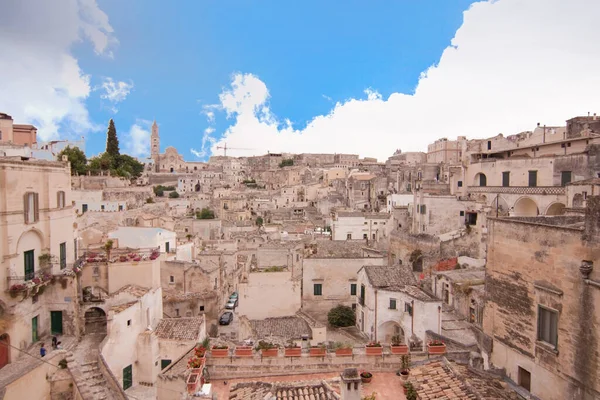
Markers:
point(155, 145)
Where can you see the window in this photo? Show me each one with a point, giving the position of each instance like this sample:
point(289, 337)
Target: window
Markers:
point(164, 363)
point(489, 145)
point(423, 209)
point(201, 308)
point(361, 300)
point(171, 279)
point(84, 208)
point(177, 312)
point(349, 236)
point(462, 213)
point(60, 199)
point(365, 236)
point(392, 304)
point(565, 177)
point(408, 308)
point(532, 178)
point(128, 322)
point(63, 255)
point(167, 244)
point(459, 183)
point(29, 263)
point(525, 379)
point(548, 326)
point(102, 207)
point(31, 207)
point(353, 306)
point(318, 289)
point(365, 223)
point(353, 289)
point(506, 179)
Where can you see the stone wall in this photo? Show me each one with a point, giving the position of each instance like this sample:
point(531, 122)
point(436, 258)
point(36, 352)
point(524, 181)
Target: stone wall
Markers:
point(532, 266)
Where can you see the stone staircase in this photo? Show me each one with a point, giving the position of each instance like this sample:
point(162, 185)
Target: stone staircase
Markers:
point(83, 364)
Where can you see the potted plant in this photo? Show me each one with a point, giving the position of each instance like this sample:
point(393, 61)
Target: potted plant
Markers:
point(397, 347)
point(406, 386)
point(410, 392)
point(192, 382)
point(15, 289)
point(436, 347)
point(318, 351)
point(243, 351)
point(108, 246)
point(405, 369)
point(220, 351)
point(343, 349)
point(374, 349)
point(366, 377)
point(267, 349)
point(293, 350)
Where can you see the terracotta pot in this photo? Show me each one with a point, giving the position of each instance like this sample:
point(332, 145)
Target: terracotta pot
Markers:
point(219, 353)
point(400, 349)
point(374, 351)
point(270, 352)
point(405, 389)
point(366, 380)
point(293, 352)
point(404, 375)
point(243, 351)
point(192, 383)
point(317, 352)
point(343, 352)
point(436, 350)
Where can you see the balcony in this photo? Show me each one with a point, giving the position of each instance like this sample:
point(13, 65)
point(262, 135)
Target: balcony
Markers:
point(120, 255)
point(543, 190)
point(38, 276)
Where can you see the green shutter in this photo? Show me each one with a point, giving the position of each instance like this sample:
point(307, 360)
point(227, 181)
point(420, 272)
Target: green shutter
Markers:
point(29, 262)
point(353, 289)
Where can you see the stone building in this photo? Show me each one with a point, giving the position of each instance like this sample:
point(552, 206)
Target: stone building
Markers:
point(542, 299)
point(37, 244)
point(17, 134)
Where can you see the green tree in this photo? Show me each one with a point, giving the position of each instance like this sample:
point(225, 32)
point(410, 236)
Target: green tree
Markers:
point(102, 162)
point(259, 221)
point(159, 190)
point(112, 142)
point(205, 213)
point(341, 316)
point(173, 195)
point(77, 159)
point(286, 163)
point(129, 166)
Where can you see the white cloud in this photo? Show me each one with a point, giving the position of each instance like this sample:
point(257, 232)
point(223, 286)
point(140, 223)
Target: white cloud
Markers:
point(115, 92)
point(42, 82)
point(511, 64)
point(207, 142)
point(137, 140)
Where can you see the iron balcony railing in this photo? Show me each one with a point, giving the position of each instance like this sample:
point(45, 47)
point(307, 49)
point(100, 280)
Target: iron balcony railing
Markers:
point(39, 275)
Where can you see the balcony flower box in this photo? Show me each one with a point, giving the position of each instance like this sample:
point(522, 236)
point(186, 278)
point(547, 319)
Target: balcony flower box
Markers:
point(243, 351)
point(293, 351)
point(270, 352)
point(318, 351)
point(192, 382)
point(374, 349)
point(400, 349)
point(220, 351)
point(436, 347)
point(343, 352)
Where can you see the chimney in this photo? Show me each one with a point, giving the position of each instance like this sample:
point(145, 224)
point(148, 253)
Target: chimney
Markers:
point(594, 117)
point(350, 385)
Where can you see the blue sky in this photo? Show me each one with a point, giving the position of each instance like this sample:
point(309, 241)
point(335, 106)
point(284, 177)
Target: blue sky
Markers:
point(313, 76)
point(180, 58)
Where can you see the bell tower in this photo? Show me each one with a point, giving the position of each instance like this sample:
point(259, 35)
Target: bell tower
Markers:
point(155, 145)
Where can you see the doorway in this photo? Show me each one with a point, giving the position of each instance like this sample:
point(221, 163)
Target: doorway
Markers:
point(4, 350)
point(525, 379)
point(127, 377)
point(56, 322)
point(34, 329)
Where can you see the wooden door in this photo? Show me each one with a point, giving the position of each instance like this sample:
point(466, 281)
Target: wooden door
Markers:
point(34, 329)
point(127, 377)
point(4, 350)
point(56, 322)
point(525, 379)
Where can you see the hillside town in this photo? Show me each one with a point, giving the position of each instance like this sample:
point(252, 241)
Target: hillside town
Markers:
point(465, 271)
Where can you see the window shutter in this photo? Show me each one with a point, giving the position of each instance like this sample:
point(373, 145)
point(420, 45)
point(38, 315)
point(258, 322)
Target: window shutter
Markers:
point(36, 207)
point(26, 206)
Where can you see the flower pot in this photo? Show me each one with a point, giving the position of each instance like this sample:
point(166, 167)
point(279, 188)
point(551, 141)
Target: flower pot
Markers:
point(365, 379)
point(404, 375)
point(269, 352)
point(343, 352)
point(374, 351)
point(192, 383)
point(401, 349)
point(293, 352)
point(317, 352)
point(243, 351)
point(436, 349)
point(219, 353)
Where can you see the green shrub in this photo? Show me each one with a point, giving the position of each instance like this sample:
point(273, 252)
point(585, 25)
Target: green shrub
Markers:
point(341, 316)
point(173, 195)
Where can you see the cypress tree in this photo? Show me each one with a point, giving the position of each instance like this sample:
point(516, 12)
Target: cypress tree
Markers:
point(112, 142)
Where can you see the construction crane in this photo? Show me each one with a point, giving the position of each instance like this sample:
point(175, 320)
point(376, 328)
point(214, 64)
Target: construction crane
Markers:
point(232, 148)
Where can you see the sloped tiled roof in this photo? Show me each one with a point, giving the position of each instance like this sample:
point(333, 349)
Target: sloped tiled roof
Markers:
point(286, 327)
point(394, 277)
point(184, 329)
point(283, 391)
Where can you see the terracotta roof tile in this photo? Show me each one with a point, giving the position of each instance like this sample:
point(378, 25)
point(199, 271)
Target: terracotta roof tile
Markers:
point(184, 329)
